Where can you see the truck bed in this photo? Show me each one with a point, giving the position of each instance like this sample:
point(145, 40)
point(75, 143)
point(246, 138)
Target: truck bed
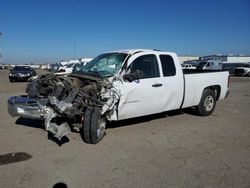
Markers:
point(197, 80)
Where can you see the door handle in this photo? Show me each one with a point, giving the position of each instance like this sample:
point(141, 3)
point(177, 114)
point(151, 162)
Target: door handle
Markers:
point(156, 85)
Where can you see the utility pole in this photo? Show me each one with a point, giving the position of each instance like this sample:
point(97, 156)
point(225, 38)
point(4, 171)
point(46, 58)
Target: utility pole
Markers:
point(0, 47)
point(74, 48)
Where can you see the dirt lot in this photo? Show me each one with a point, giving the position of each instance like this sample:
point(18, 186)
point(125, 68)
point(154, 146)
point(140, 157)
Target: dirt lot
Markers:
point(171, 150)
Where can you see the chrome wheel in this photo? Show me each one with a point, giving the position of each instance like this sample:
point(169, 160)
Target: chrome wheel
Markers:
point(101, 128)
point(209, 103)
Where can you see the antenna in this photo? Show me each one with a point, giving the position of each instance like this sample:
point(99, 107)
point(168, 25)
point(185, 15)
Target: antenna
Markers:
point(74, 48)
point(0, 47)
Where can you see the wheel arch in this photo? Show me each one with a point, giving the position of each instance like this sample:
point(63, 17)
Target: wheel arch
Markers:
point(216, 88)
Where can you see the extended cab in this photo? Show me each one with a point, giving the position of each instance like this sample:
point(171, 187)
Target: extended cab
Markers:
point(118, 85)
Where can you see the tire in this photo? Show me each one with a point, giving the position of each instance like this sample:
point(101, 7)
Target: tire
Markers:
point(248, 74)
point(93, 128)
point(98, 125)
point(85, 131)
point(11, 80)
point(207, 103)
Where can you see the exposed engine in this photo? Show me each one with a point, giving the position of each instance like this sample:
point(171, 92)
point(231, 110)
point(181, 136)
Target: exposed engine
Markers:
point(67, 98)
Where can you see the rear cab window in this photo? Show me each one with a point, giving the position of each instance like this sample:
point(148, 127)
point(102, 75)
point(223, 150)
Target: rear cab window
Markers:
point(168, 65)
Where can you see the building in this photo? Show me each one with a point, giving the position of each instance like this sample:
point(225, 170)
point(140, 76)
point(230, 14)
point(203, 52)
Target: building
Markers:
point(228, 58)
point(187, 58)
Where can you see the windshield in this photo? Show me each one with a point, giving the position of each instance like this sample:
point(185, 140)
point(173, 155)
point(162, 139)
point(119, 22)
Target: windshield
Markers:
point(19, 68)
point(202, 64)
point(105, 65)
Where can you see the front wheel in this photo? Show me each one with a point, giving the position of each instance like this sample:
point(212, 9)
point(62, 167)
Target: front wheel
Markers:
point(98, 126)
point(207, 103)
point(93, 128)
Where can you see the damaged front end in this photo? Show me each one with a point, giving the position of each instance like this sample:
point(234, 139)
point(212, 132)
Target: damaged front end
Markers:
point(78, 101)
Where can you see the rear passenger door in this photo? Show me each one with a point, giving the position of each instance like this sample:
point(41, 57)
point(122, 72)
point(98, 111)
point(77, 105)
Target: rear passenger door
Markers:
point(144, 96)
point(173, 82)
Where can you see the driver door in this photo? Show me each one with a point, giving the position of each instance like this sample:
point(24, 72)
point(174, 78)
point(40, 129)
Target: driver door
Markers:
point(143, 96)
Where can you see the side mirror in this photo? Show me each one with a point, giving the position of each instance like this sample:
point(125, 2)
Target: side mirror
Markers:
point(134, 75)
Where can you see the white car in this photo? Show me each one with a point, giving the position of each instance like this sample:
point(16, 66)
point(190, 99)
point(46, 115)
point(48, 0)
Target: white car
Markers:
point(188, 66)
point(115, 86)
point(69, 68)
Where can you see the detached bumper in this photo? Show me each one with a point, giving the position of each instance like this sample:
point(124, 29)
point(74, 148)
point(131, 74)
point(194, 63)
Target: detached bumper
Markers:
point(32, 109)
point(24, 107)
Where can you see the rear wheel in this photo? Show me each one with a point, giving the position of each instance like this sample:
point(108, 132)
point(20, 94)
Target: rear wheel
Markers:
point(248, 74)
point(93, 129)
point(207, 103)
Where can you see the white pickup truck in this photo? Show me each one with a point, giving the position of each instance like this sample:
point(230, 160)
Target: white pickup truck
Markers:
point(115, 86)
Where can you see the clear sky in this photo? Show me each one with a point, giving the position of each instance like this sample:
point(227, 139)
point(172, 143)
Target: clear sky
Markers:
point(46, 31)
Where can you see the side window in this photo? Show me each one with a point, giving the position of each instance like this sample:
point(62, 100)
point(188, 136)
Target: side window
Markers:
point(168, 66)
point(147, 64)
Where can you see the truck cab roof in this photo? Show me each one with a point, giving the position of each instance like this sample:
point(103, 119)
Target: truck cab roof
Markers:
point(133, 51)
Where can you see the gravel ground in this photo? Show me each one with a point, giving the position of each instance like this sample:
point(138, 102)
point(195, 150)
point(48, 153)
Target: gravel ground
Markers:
point(169, 150)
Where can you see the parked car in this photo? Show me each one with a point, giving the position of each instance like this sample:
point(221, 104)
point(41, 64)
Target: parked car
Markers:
point(115, 86)
point(21, 73)
point(66, 69)
point(55, 67)
point(187, 66)
point(231, 66)
point(242, 71)
point(210, 65)
point(69, 68)
point(194, 63)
